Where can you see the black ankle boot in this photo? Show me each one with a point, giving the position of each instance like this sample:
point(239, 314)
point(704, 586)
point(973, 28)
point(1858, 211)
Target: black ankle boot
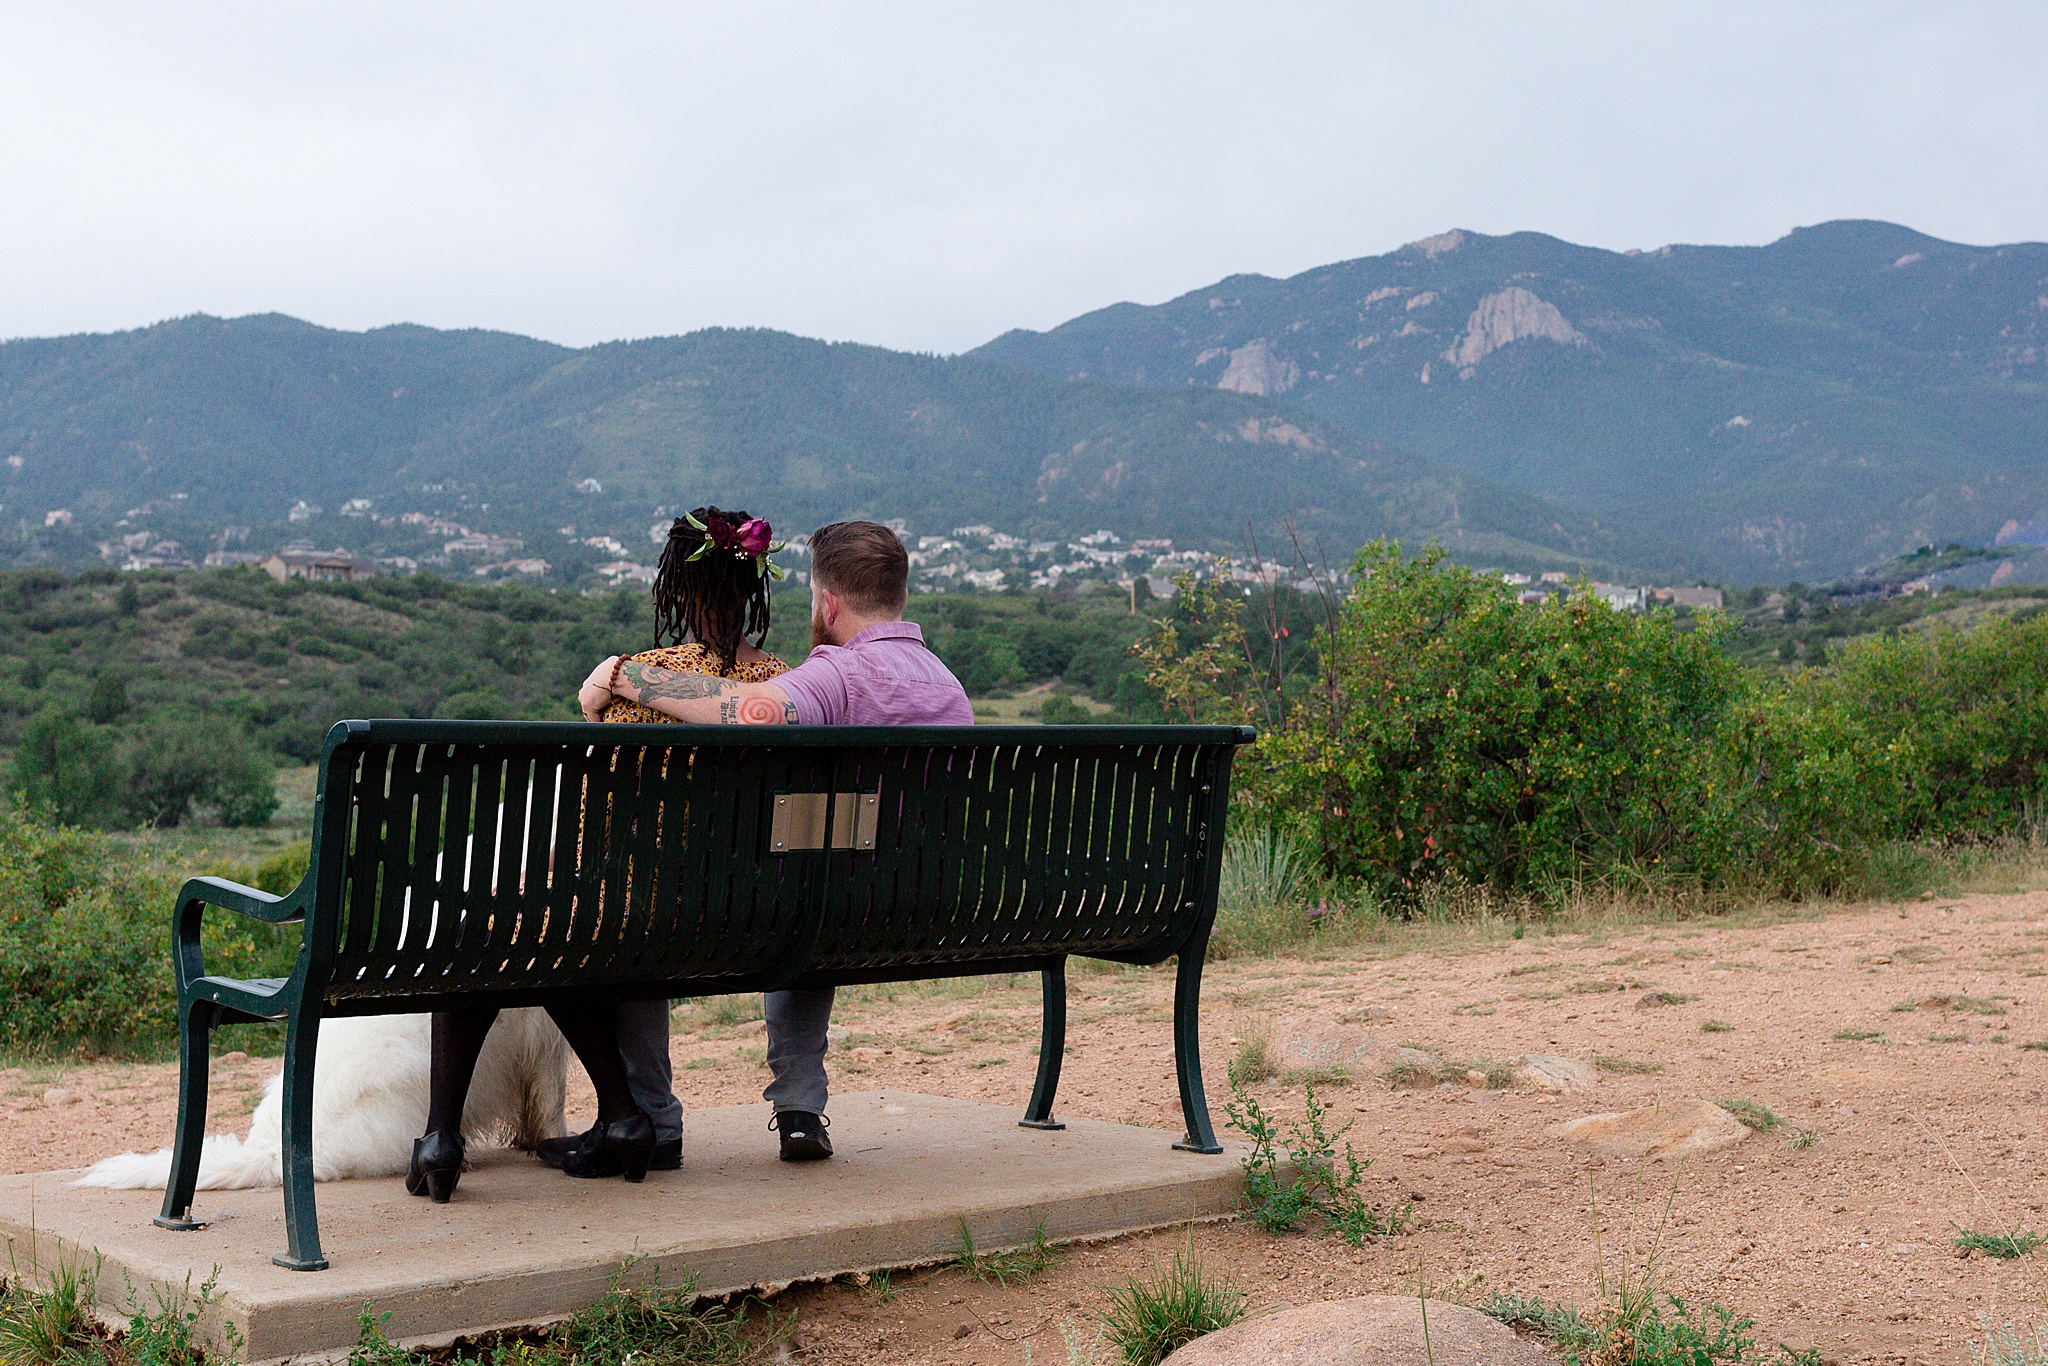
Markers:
point(436, 1165)
point(622, 1147)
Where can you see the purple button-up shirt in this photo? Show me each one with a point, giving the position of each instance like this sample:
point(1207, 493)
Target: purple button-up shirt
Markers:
point(885, 676)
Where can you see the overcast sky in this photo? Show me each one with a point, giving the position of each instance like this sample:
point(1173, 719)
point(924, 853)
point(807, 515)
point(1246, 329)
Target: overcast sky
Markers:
point(926, 176)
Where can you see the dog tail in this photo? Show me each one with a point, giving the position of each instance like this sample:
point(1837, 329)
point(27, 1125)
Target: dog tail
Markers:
point(225, 1163)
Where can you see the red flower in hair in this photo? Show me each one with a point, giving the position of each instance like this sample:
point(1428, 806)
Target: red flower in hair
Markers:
point(753, 537)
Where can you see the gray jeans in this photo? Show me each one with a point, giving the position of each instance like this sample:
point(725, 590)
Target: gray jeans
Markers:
point(796, 1048)
point(643, 1048)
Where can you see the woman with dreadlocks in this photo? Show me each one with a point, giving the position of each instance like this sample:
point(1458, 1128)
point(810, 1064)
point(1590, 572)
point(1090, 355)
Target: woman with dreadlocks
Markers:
point(710, 597)
point(710, 616)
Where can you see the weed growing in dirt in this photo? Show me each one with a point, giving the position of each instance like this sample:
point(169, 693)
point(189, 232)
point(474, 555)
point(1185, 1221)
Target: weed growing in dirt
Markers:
point(1627, 1066)
point(1666, 1333)
point(46, 1327)
point(1146, 1319)
point(1757, 1117)
point(1003, 1267)
point(1638, 1322)
point(625, 1324)
point(1716, 1027)
point(2040, 1045)
point(1859, 1035)
point(1254, 1061)
point(1801, 1139)
point(1336, 1075)
point(2005, 1347)
point(2004, 1246)
point(1321, 1186)
point(54, 1326)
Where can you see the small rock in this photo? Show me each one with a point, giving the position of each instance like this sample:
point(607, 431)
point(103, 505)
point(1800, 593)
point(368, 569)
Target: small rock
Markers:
point(965, 1330)
point(56, 1095)
point(1474, 1077)
point(834, 1033)
point(1684, 1128)
point(761, 1027)
point(866, 1051)
point(1553, 1075)
point(232, 1059)
point(1383, 1329)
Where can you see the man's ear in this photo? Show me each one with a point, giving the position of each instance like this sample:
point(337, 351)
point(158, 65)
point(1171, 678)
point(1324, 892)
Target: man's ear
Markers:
point(829, 605)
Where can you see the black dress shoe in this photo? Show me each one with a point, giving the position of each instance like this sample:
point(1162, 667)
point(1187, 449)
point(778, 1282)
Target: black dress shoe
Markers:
point(803, 1135)
point(624, 1147)
point(668, 1152)
point(436, 1166)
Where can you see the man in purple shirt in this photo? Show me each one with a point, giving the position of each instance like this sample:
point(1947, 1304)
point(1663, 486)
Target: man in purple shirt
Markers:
point(867, 667)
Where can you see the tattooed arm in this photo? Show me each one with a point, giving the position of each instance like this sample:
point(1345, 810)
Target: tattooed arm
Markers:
point(701, 698)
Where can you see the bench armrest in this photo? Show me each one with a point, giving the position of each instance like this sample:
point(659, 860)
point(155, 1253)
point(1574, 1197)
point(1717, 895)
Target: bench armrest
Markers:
point(188, 957)
point(249, 901)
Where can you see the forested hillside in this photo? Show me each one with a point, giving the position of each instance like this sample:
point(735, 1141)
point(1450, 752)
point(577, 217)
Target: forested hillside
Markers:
point(179, 688)
point(1803, 409)
point(195, 424)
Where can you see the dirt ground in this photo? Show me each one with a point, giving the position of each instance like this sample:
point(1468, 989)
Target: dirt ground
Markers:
point(1899, 1035)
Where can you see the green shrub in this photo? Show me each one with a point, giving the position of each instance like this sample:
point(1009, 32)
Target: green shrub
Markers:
point(1061, 710)
point(1462, 734)
point(283, 870)
point(1965, 715)
point(85, 944)
point(65, 768)
point(185, 758)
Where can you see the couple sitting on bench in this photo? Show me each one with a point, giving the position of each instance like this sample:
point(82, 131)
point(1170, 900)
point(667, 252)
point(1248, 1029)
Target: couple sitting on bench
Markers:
point(867, 667)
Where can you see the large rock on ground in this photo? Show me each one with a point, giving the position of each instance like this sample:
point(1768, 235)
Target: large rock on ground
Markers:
point(1553, 1075)
point(1379, 1330)
point(1669, 1129)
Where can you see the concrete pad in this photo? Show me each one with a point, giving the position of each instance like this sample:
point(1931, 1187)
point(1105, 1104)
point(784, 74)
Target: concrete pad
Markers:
point(523, 1245)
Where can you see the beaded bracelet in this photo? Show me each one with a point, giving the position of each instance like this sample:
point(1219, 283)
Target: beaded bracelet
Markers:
point(612, 684)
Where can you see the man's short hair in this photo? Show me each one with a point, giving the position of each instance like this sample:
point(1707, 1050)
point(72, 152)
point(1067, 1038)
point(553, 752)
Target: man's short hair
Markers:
point(862, 562)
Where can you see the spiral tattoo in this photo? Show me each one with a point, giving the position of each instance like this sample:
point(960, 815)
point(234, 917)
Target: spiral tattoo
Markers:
point(754, 711)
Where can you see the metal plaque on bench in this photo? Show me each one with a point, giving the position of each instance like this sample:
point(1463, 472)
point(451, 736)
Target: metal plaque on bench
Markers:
point(800, 821)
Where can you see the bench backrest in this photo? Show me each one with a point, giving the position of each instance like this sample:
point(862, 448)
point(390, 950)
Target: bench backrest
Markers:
point(453, 858)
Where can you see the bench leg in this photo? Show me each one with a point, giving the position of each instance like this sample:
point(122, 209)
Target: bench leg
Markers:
point(1052, 1046)
point(1187, 1047)
point(194, 1035)
point(301, 1220)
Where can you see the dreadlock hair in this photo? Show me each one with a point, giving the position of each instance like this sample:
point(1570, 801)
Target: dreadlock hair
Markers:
point(717, 600)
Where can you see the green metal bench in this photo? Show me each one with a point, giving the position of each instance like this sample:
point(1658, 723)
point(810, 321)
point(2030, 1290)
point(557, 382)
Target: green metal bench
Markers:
point(474, 863)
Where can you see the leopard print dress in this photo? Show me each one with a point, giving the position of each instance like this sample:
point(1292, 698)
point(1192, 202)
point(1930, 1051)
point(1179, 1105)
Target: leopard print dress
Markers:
point(694, 659)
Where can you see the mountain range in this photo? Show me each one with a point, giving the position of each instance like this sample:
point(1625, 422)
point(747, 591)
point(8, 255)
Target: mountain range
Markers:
point(246, 417)
point(1800, 409)
point(1796, 410)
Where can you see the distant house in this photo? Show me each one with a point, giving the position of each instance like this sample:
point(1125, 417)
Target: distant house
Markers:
point(1698, 599)
point(228, 559)
point(589, 486)
point(1619, 597)
point(625, 571)
point(322, 565)
point(57, 517)
point(533, 567)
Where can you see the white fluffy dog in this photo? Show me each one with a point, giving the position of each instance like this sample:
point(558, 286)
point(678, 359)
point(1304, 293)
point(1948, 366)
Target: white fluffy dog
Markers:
point(370, 1103)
